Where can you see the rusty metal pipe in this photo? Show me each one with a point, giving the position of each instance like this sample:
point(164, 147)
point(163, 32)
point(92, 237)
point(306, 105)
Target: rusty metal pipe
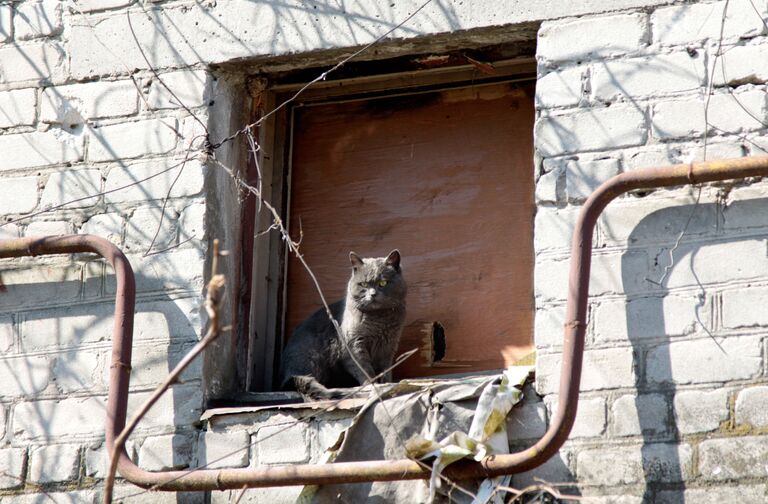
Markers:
point(388, 470)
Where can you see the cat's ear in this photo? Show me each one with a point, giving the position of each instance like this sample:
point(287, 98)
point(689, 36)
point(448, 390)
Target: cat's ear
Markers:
point(393, 259)
point(355, 260)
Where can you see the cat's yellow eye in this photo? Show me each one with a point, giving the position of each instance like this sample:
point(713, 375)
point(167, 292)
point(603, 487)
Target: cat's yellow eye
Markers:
point(382, 283)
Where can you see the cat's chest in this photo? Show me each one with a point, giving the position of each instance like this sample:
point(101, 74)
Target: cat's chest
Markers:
point(373, 331)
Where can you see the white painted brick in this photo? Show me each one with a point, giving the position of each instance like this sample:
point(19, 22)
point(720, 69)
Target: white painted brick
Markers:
point(227, 449)
point(74, 103)
point(750, 407)
point(560, 88)
point(583, 177)
point(145, 222)
point(178, 268)
point(714, 263)
point(31, 62)
point(42, 420)
point(9, 231)
point(554, 228)
point(84, 6)
point(556, 470)
point(7, 336)
point(181, 405)
point(54, 463)
point(649, 317)
point(702, 361)
point(93, 276)
point(30, 150)
point(700, 410)
point(614, 499)
point(6, 22)
point(132, 139)
point(18, 195)
point(627, 465)
point(48, 228)
point(96, 461)
point(742, 493)
point(189, 184)
point(282, 444)
point(685, 118)
point(192, 222)
point(163, 453)
point(735, 457)
point(66, 327)
point(689, 23)
point(328, 432)
point(720, 150)
point(743, 64)
point(746, 207)
point(647, 157)
point(178, 319)
point(591, 420)
point(191, 88)
point(634, 415)
point(550, 280)
point(67, 186)
point(39, 286)
point(550, 186)
point(597, 129)
point(3, 417)
point(527, 421)
point(257, 495)
point(629, 79)
point(603, 369)
point(61, 497)
point(611, 273)
point(12, 467)
point(75, 371)
point(608, 36)
point(24, 376)
point(549, 326)
point(17, 107)
point(150, 365)
point(109, 226)
point(38, 19)
point(740, 307)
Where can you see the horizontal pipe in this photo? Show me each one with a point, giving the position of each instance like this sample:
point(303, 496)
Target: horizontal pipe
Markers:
point(391, 470)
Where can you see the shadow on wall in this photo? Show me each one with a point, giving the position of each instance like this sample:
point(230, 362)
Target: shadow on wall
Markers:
point(675, 340)
point(56, 362)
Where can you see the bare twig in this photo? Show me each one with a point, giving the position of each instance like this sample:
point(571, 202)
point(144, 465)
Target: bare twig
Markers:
point(167, 197)
point(212, 304)
point(157, 75)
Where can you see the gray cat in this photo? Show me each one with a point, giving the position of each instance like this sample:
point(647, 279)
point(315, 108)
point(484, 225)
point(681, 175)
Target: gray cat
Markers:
point(371, 319)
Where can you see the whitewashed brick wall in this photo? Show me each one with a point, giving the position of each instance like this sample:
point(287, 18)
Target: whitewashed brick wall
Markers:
point(666, 364)
point(675, 380)
point(65, 137)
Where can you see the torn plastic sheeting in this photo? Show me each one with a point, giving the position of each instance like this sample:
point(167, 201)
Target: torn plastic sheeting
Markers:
point(468, 415)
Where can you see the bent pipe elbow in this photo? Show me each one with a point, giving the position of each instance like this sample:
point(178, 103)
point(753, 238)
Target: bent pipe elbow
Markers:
point(385, 470)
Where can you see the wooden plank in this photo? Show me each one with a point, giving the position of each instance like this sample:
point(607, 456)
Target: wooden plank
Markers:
point(446, 177)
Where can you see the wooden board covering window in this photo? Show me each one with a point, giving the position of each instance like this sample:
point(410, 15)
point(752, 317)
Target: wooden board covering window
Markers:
point(446, 177)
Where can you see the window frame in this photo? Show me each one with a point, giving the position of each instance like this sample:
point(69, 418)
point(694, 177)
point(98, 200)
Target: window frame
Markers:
point(267, 295)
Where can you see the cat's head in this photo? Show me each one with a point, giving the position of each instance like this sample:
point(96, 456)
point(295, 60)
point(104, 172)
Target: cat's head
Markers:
point(377, 283)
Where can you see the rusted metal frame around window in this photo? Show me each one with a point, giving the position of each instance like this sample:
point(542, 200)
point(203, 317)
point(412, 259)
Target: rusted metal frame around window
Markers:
point(384, 470)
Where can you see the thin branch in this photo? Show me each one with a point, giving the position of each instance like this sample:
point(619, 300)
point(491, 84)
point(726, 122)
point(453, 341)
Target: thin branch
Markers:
point(167, 197)
point(157, 75)
point(213, 301)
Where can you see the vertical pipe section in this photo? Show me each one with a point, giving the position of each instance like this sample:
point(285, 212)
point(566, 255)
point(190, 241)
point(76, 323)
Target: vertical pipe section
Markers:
point(387, 470)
